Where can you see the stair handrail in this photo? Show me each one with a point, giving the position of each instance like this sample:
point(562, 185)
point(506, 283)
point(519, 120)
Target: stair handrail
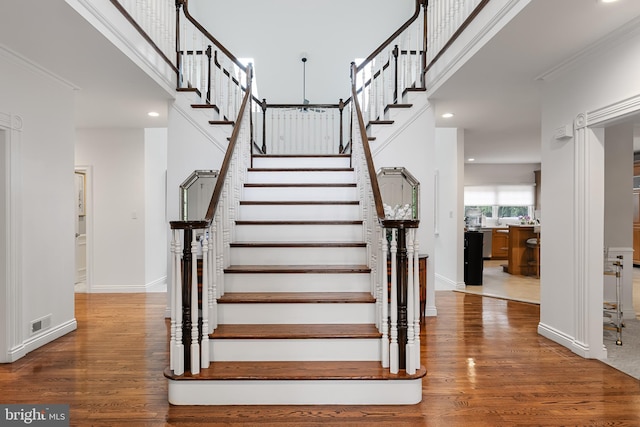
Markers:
point(193, 298)
point(393, 36)
point(379, 207)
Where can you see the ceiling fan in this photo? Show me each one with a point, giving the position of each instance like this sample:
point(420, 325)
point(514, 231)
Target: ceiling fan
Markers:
point(305, 101)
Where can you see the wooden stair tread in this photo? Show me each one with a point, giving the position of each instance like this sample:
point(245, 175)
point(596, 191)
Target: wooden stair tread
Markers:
point(381, 122)
point(341, 370)
point(398, 106)
point(297, 222)
point(300, 185)
point(302, 156)
point(329, 269)
point(288, 331)
point(298, 245)
point(300, 202)
point(221, 122)
point(300, 169)
point(295, 297)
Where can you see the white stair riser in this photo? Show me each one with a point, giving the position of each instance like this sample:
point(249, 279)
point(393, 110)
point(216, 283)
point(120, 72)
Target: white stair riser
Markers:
point(298, 256)
point(295, 313)
point(297, 282)
point(301, 177)
point(301, 162)
point(296, 392)
point(269, 350)
point(300, 212)
point(298, 233)
point(300, 193)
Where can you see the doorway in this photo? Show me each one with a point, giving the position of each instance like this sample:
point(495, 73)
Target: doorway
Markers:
point(82, 181)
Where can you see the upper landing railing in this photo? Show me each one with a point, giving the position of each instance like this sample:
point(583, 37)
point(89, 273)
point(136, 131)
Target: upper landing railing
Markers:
point(203, 64)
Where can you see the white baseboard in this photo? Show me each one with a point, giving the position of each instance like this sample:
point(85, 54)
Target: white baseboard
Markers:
point(38, 341)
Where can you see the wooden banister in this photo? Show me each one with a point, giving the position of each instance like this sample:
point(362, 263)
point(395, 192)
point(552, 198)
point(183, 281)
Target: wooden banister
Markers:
point(393, 36)
point(224, 168)
point(185, 8)
point(367, 150)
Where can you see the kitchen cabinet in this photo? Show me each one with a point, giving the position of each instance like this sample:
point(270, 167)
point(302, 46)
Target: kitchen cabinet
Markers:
point(520, 257)
point(499, 243)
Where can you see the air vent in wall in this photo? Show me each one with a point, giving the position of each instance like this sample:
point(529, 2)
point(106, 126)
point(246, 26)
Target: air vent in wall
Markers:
point(40, 324)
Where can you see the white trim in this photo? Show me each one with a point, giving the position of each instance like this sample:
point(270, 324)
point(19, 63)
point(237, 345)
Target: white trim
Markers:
point(11, 285)
point(18, 59)
point(158, 285)
point(602, 45)
point(44, 338)
point(295, 392)
point(187, 113)
point(445, 284)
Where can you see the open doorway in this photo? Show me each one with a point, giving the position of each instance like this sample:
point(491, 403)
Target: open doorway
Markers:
point(82, 181)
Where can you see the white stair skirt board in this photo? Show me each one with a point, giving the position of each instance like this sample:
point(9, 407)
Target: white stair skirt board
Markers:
point(301, 212)
point(295, 313)
point(301, 162)
point(298, 255)
point(296, 392)
point(299, 233)
point(297, 282)
point(323, 177)
point(300, 193)
point(306, 349)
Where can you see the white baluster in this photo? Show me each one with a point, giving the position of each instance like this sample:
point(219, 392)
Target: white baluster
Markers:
point(178, 367)
point(206, 303)
point(394, 361)
point(213, 277)
point(410, 351)
point(172, 297)
point(195, 346)
point(384, 279)
point(417, 296)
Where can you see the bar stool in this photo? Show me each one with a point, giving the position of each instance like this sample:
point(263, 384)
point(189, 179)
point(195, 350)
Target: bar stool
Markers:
point(533, 258)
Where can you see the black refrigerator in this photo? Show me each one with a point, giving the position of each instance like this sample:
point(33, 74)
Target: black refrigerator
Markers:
point(473, 260)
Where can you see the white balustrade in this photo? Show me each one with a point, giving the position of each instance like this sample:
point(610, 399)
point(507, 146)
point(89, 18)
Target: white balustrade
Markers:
point(157, 18)
point(299, 130)
point(444, 18)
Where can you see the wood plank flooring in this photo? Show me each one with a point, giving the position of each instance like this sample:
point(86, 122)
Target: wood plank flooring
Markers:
point(486, 366)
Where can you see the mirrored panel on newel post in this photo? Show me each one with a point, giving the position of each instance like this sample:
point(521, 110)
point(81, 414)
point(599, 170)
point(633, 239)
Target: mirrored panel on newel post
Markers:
point(400, 193)
point(195, 194)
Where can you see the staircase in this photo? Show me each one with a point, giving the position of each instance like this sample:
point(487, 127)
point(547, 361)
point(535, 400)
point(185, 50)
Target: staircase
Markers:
point(296, 324)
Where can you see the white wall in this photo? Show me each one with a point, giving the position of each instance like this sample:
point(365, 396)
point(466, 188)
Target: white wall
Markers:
point(573, 182)
point(117, 158)
point(41, 106)
point(294, 27)
point(156, 224)
point(449, 240)
point(482, 174)
point(413, 148)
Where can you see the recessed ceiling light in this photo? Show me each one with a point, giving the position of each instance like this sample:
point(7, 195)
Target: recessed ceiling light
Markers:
point(153, 114)
point(447, 115)
point(608, 1)
point(471, 159)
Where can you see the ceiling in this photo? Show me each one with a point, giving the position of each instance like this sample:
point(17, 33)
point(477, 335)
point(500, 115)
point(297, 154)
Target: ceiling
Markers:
point(111, 90)
point(495, 96)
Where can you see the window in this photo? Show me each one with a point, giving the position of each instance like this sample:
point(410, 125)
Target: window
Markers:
point(500, 201)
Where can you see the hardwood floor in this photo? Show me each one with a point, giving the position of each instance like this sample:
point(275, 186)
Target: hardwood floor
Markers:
point(486, 366)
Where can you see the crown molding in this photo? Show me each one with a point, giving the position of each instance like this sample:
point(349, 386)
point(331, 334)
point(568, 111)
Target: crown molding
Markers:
point(18, 59)
point(605, 43)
